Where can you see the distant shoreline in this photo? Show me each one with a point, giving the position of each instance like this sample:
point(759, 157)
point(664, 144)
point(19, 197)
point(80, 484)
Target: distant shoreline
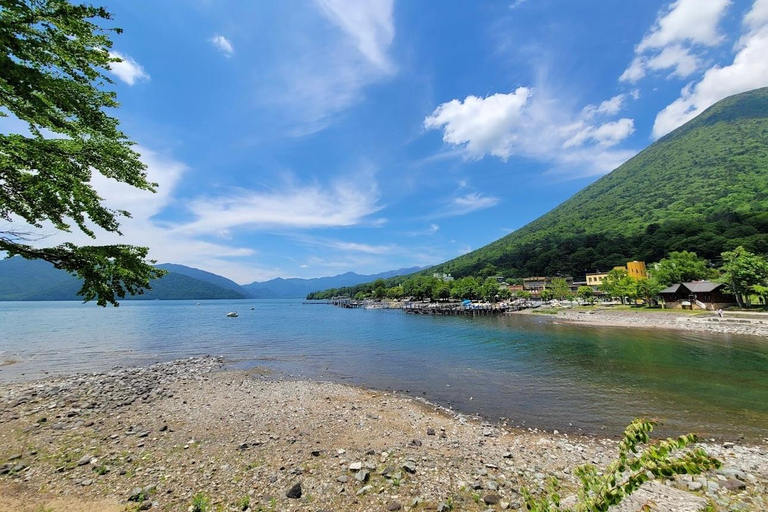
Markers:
point(731, 323)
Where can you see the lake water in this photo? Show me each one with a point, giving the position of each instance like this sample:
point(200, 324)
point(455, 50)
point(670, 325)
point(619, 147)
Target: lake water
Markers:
point(530, 370)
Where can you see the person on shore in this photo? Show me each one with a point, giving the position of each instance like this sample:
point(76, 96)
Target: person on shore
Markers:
point(720, 312)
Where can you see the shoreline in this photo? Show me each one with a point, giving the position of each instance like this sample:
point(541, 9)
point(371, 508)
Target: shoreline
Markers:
point(729, 324)
point(88, 442)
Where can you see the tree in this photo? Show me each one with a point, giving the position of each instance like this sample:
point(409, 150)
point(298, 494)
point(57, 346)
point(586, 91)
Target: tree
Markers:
point(379, 289)
point(546, 294)
point(466, 288)
point(489, 270)
point(681, 267)
point(560, 289)
point(489, 290)
point(585, 293)
point(742, 271)
point(618, 284)
point(648, 289)
point(54, 57)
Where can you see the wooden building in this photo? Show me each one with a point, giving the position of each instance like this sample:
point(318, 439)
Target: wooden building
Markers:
point(697, 295)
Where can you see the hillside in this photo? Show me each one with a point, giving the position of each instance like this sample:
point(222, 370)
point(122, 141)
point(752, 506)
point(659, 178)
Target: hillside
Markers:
point(202, 275)
point(31, 280)
point(295, 288)
point(703, 188)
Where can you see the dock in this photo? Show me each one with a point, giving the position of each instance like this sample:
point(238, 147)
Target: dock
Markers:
point(455, 309)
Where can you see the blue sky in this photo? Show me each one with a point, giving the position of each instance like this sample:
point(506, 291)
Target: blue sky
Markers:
point(313, 137)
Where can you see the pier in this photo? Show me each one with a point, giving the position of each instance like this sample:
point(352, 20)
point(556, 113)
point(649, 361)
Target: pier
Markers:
point(456, 309)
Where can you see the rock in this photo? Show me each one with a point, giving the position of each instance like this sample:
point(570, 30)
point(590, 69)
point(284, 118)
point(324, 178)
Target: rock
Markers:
point(362, 476)
point(727, 445)
point(363, 490)
point(242, 446)
point(415, 442)
point(84, 460)
point(430, 431)
point(409, 467)
point(343, 479)
point(294, 492)
point(15, 456)
point(491, 485)
point(491, 499)
point(694, 486)
point(733, 484)
point(504, 505)
point(443, 507)
point(86, 482)
point(137, 494)
point(356, 466)
point(394, 505)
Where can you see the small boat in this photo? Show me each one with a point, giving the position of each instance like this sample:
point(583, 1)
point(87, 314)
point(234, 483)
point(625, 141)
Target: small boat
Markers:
point(251, 308)
point(232, 314)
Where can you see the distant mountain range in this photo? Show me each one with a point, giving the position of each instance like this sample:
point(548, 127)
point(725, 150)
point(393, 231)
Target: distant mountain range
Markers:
point(33, 280)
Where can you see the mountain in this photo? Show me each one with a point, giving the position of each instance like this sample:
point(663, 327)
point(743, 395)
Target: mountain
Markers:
point(202, 275)
point(296, 288)
point(702, 188)
point(22, 279)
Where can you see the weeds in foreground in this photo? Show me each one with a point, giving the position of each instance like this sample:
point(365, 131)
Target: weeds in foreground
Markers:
point(200, 503)
point(633, 467)
point(244, 503)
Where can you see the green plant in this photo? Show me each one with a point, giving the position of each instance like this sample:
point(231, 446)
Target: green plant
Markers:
point(244, 503)
point(633, 467)
point(200, 503)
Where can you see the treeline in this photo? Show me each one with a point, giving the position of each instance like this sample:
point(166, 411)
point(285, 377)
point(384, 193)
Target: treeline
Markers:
point(420, 288)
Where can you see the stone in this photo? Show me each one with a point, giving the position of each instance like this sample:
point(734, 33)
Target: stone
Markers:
point(363, 490)
point(294, 492)
point(362, 476)
point(409, 467)
point(491, 485)
point(727, 445)
point(84, 460)
point(443, 507)
point(356, 466)
point(694, 486)
point(733, 484)
point(415, 442)
point(394, 505)
point(430, 431)
point(343, 479)
point(15, 456)
point(491, 499)
point(137, 494)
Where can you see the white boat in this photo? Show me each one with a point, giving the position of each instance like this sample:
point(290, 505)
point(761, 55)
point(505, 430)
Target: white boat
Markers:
point(232, 314)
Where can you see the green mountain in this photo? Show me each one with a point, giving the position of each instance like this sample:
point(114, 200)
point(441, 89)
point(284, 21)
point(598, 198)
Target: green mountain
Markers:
point(202, 275)
point(31, 280)
point(702, 188)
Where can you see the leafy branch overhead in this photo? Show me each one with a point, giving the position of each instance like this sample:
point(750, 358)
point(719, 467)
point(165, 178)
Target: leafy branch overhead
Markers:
point(54, 58)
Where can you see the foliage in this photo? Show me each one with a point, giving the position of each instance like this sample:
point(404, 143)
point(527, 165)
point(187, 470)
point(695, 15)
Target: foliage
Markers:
point(560, 289)
point(585, 293)
point(681, 267)
point(635, 465)
point(744, 273)
point(244, 503)
point(200, 503)
point(648, 289)
point(618, 284)
point(54, 57)
point(702, 188)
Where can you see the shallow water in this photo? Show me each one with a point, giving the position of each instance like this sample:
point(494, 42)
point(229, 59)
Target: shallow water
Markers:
point(534, 372)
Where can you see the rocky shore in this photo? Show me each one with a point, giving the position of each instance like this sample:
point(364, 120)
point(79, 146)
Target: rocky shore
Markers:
point(188, 435)
point(704, 322)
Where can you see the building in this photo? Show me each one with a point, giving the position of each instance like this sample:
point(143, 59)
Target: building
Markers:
point(634, 269)
point(697, 295)
point(536, 284)
point(443, 276)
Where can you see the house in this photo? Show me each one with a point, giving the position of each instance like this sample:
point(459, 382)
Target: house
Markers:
point(697, 295)
point(447, 278)
point(634, 269)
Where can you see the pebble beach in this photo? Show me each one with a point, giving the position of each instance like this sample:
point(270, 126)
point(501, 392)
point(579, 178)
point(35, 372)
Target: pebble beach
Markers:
point(169, 435)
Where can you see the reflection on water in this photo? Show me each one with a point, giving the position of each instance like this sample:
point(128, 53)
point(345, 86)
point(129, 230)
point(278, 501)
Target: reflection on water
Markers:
point(527, 369)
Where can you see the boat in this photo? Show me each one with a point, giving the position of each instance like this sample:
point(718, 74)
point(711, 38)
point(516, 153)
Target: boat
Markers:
point(232, 314)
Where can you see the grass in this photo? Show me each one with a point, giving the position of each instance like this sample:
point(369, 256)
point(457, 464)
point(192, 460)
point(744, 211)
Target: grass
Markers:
point(200, 503)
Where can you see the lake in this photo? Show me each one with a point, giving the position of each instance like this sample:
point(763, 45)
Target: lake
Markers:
point(529, 370)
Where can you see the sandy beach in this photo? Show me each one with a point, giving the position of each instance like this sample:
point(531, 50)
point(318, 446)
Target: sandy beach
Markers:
point(730, 323)
point(158, 437)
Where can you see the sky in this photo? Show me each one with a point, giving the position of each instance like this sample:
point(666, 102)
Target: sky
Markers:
point(314, 137)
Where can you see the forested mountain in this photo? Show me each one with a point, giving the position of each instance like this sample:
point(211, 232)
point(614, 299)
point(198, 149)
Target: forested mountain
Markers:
point(299, 288)
point(701, 188)
point(202, 275)
point(22, 279)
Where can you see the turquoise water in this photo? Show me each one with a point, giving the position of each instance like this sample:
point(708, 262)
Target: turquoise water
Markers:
point(529, 370)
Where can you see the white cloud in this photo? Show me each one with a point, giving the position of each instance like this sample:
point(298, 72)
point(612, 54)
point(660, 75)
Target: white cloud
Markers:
point(222, 44)
point(434, 228)
point(517, 3)
point(369, 24)
point(345, 246)
point(608, 107)
point(325, 69)
point(344, 203)
point(464, 204)
point(128, 70)
point(606, 135)
point(748, 71)
point(482, 125)
point(669, 44)
point(529, 124)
